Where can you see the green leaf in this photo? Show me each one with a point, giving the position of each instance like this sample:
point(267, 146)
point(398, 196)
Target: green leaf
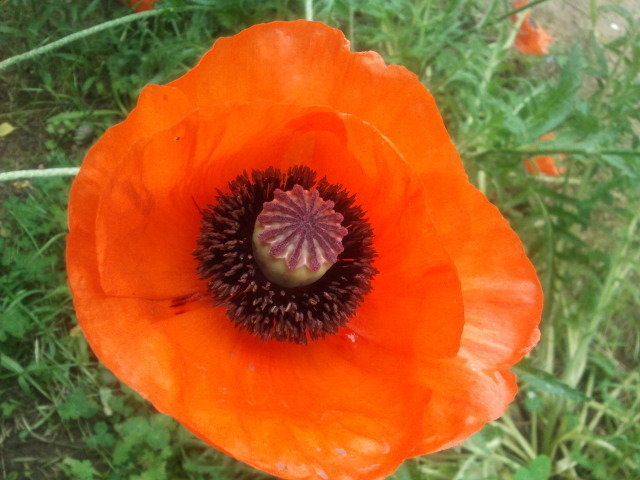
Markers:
point(538, 469)
point(560, 102)
point(79, 469)
point(533, 403)
point(409, 470)
point(10, 364)
point(77, 406)
point(546, 382)
point(7, 408)
point(101, 437)
point(134, 427)
point(14, 323)
point(158, 439)
point(121, 452)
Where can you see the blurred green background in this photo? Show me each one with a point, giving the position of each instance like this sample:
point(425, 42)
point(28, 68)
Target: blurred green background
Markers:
point(64, 416)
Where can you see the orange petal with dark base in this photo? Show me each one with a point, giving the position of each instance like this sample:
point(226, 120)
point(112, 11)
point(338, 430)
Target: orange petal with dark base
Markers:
point(429, 318)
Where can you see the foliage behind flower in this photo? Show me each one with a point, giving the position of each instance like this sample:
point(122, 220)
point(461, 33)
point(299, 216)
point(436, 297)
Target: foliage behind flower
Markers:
point(424, 361)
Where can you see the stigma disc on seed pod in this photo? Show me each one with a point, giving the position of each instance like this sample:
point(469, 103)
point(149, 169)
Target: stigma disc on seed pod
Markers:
point(297, 237)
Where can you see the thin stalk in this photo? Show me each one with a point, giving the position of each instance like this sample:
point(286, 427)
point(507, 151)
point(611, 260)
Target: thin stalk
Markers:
point(534, 430)
point(549, 272)
point(36, 52)
point(77, 36)
point(619, 272)
point(513, 430)
point(552, 151)
point(308, 9)
point(38, 173)
point(515, 11)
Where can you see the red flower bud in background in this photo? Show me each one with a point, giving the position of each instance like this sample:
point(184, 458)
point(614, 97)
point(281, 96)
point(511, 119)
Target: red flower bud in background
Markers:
point(531, 38)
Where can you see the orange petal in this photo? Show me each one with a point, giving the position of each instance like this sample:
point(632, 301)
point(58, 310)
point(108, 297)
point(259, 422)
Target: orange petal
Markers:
point(544, 164)
point(415, 270)
point(344, 415)
point(549, 136)
point(315, 411)
point(478, 395)
point(517, 4)
point(147, 222)
point(501, 292)
point(158, 108)
point(161, 208)
point(159, 188)
point(532, 39)
point(142, 5)
point(309, 63)
point(361, 416)
point(502, 304)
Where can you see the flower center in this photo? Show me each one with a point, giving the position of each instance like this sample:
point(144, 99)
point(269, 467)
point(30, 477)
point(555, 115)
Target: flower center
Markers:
point(311, 226)
point(297, 237)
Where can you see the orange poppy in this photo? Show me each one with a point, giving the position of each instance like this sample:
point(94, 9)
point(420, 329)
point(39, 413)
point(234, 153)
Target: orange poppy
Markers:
point(401, 348)
point(141, 5)
point(545, 164)
point(531, 38)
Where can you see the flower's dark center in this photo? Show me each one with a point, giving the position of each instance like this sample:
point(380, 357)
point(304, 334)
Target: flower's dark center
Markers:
point(303, 225)
point(297, 237)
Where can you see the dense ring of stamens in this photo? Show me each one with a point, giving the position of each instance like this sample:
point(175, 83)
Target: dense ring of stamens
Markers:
point(256, 304)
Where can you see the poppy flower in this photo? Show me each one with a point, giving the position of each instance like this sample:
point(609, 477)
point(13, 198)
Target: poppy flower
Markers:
point(282, 150)
point(531, 38)
point(141, 5)
point(545, 164)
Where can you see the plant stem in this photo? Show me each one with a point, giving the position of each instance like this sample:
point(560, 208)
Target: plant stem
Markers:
point(85, 33)
point(38, 173)
point(308, 9)
point(567, 151)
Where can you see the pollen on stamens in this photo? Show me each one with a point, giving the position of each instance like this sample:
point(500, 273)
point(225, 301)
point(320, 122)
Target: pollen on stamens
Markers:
point(297, 236)
point(236, 279)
